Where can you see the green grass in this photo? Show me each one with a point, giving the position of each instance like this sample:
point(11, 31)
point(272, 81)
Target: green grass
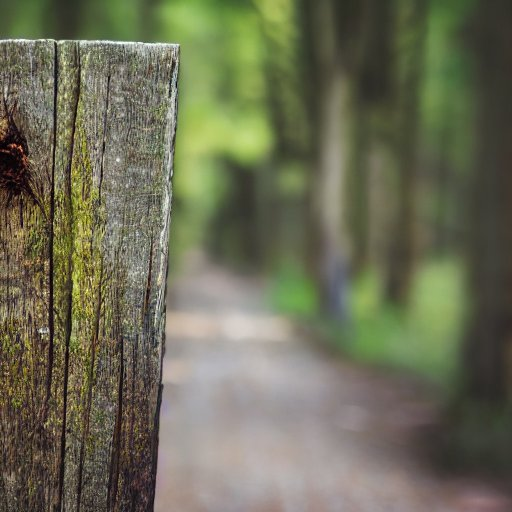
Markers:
point(423, 340)
point(292, 293)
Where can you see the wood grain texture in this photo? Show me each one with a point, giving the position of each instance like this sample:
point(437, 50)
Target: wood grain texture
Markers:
point(83, 267)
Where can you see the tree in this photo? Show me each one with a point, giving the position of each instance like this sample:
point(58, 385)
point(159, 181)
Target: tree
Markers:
point(488, 340)
point(329, 33)
point(285, 112)
point(370, 93)
point(404, 119)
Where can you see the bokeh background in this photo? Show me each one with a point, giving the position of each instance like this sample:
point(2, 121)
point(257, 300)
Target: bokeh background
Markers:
point(346, 166)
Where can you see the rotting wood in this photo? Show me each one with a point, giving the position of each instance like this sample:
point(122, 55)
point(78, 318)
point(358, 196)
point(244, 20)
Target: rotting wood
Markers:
point(83, 265)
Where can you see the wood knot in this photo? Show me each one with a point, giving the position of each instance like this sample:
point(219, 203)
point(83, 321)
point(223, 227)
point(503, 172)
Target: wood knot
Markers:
point(15, 174)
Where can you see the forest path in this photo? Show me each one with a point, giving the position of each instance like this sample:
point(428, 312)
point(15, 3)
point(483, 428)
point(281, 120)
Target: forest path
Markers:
point(257, 419)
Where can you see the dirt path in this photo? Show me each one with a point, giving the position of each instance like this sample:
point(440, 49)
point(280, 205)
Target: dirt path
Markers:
point(256, 419)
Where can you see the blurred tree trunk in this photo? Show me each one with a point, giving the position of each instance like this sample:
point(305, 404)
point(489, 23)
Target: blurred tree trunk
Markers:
point(443, 186)
point(235, 227)
point(371, 90)
point(411, 33)
point(359, 213)
point(329, 191)
point(489, 335)
point(286, 116)
point(328, 34)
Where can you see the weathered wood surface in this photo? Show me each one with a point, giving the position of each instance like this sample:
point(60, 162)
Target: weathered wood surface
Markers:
point(83, 262)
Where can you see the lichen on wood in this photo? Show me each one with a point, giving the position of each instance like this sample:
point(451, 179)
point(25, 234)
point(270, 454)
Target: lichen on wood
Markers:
point(82, 273)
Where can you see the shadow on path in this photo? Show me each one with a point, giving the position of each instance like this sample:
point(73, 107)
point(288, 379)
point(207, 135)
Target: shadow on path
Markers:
point(256, 419)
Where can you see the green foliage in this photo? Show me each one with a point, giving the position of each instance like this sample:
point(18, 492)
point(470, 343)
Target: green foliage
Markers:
point(423, 339)
point(26, 18)
point(293, 293)
point(222, 90)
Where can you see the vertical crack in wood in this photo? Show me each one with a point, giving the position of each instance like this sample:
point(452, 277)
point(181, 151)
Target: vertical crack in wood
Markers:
point(113, 481)
point(69, 290)
point(90, 386)
point(144, 317)
point(96, 336)
point(51, 311)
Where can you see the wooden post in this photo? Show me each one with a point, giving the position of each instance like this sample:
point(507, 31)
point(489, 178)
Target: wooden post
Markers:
point(86, 150)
